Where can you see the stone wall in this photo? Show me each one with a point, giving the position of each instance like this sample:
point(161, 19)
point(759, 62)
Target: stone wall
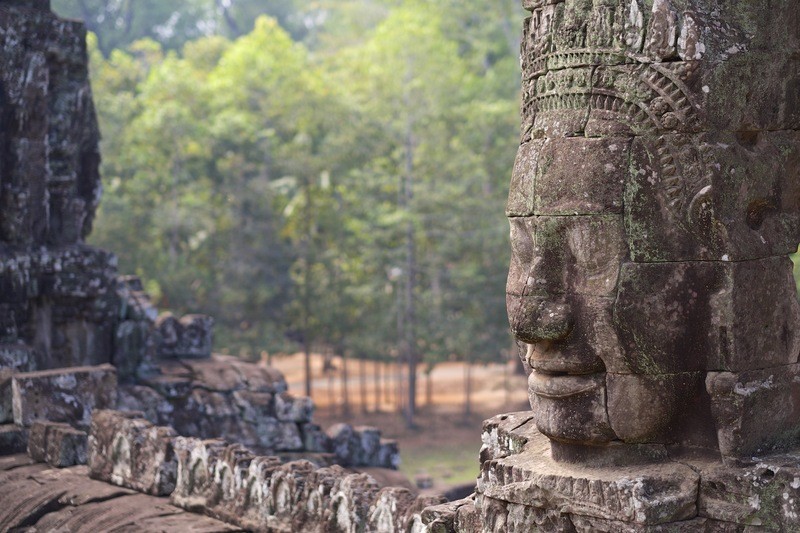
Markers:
point(256, 492)
point(66, 317)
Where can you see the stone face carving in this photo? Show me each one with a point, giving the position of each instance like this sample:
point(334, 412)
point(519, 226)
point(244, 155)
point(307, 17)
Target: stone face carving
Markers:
point(653, 203)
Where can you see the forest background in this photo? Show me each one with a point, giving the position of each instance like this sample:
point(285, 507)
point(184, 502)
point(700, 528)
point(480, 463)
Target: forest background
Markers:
point(325, 176)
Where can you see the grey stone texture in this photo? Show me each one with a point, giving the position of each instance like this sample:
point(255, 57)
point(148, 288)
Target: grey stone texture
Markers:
point(653, 203)
point(522, 488)
point(261, 493)
point(129, 451)
point(13, 439)
point(188, 337)
point(37, 498)
point(63, 395)
point(57, 444)
point(233, 484)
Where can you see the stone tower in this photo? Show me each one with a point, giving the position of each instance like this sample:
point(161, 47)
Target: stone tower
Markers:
point(653, 205)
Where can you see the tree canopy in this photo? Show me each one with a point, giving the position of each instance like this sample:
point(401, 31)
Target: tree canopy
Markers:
point(326, 173)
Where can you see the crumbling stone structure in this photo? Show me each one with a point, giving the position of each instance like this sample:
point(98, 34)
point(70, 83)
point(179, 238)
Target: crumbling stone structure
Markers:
point(654, 201)
point(78, 341)
point(231, 483)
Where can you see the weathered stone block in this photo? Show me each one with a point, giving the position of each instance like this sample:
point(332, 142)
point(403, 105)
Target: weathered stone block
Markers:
point(715, 320)
point(189, 337)
point(756, 411)
point(13, 439)
point(765, 493)
point(370, 438)
point(290, 408)
point(63, 395)
point(57, 444)
point(571, 406)
point(135, 303)
point(314, 439)
point(551, 177)
point(287, 437)
point(523, 178)
point(388, 511)
point(147, 400)
point(129, 451)
point(254, 406)
point(389, 454)
point(16, 356)
point(195, 463)
point(585, 524)
point(169, 385)
point(132, 346)
point(647, 495)
point(362, 446)
point(506, 434)
point(206, 414)
point(651, 408)
point(468, 518)
point(673, 67)
point(713, 196)
point(6, 409)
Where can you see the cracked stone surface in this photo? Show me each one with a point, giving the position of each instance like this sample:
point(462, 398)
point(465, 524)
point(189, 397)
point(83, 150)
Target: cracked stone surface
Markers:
point(653, 204)
point(36, 497)
point(522, 488)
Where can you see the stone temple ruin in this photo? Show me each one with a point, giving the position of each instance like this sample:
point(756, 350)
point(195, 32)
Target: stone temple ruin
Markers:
point(653, 204)
point(112, 415)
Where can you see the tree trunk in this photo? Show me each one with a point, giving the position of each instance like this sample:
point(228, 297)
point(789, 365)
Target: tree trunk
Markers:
point(345, 388)
point(468, 388)
point(362, 382)
point(378, 388)
point(410, 340)
point(429, 388)
point(400, 402)
point(387, 383)
point(307, 355)
point(331, 393)
point(307, 289)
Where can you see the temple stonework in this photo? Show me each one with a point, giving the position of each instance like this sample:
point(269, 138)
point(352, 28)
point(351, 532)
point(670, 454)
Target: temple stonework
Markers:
point(111, 414)
point(653, 204)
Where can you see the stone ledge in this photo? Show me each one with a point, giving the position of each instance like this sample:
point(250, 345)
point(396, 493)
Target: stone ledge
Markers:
point(56, 444)
point(63, 395)
point(521, 488)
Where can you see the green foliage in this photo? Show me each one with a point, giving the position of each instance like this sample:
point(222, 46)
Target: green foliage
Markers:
point(260, 179)
point(118, 23)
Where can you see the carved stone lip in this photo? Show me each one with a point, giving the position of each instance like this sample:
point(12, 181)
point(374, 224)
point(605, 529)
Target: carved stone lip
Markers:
point(554, 358)
point(557, 386)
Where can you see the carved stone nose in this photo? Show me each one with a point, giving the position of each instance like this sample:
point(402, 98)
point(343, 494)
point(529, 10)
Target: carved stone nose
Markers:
point(536, 320)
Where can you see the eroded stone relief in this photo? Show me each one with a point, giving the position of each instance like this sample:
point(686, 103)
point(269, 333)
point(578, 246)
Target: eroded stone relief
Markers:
point(653, 204)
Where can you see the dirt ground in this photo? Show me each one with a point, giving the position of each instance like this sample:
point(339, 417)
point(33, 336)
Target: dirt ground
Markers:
point(445, 441)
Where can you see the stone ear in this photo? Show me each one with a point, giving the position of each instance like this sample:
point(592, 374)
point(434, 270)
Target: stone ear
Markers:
point(700, 212)
point(702, 220)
